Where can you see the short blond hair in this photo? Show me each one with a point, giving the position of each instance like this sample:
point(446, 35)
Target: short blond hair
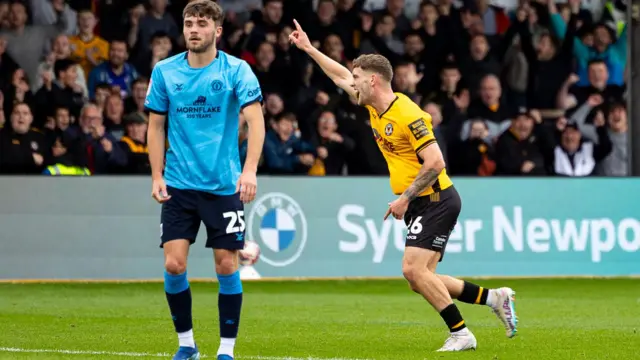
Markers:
point(375, 63)
point(204, 9)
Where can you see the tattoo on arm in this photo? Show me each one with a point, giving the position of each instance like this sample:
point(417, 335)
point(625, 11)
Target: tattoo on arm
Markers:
point(425, 178)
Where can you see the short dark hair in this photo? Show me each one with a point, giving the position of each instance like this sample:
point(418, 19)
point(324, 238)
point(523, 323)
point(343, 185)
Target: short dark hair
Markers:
point(83, 10)
point(449, 66)
point(596, 62)
point(403, 63)
point(140, 80)
point(288, 116)
point(204, 9)
point(103, 86)
point(375, 63)
point(160, 34)
point(62, 65)
point(119, 40)
point(60, 107)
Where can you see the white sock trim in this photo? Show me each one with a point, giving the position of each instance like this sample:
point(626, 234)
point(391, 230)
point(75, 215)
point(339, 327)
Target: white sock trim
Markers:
point(491, 298)
point(186, 339)
point(226, 346)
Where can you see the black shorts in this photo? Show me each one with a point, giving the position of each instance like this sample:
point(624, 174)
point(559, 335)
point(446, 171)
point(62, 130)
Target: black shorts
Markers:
point(223, 217)
point(430, 220)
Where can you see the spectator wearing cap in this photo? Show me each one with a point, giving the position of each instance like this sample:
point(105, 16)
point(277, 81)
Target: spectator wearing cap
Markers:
point(116, 72)
point(285, 153)
point(616, 163)
point(523, 148)
point(575, 155)
point(134, 145)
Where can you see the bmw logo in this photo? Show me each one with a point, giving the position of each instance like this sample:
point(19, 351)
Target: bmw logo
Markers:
point(277, 222)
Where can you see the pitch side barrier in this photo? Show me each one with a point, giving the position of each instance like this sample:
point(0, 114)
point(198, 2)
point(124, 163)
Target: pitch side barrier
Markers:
point(107, 229)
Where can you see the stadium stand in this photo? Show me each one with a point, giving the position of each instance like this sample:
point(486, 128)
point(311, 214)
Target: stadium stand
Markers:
point(530, 88)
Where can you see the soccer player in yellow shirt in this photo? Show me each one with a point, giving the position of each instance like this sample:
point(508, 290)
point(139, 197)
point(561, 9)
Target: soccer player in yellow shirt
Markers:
point(428, 202)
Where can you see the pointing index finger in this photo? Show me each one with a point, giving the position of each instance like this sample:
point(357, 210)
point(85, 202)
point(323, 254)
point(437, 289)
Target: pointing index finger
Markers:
point(386, 215)
point(295, 22)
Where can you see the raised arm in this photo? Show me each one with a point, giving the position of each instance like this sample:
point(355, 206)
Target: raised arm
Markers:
point(339, 74)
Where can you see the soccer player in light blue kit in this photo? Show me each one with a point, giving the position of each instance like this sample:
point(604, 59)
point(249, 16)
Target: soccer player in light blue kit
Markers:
point(200, 93)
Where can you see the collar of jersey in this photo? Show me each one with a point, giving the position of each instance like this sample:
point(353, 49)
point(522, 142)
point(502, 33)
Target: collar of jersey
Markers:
point(186, 58)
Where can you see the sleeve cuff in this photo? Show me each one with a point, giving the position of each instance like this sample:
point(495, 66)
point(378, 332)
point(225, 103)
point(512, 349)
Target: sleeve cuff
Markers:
point(257, 99)
point(421, 147)
point(156, 111)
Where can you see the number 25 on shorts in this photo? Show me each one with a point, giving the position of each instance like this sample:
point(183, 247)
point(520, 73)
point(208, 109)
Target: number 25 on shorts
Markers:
point(236, 223)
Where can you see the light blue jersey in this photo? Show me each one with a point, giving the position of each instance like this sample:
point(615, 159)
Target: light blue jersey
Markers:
point(203, 107)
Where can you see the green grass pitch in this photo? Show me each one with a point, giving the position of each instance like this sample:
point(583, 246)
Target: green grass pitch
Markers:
point(564, 319)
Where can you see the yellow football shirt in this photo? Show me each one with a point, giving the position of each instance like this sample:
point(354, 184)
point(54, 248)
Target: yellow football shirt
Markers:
point(401, 132)
point(97, 48)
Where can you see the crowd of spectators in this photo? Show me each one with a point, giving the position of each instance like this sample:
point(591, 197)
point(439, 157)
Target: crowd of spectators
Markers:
point(537, 89)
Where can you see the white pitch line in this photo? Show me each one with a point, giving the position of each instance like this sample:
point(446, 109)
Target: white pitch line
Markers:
point(138, 354)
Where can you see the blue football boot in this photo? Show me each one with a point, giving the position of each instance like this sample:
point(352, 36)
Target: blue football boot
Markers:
point(187, 353)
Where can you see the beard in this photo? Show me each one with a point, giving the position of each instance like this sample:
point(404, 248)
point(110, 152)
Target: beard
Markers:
point(202, 47)
point(361, 98)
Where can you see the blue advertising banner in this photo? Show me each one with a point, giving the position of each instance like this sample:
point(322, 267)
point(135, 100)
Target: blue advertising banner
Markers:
point(508, 227)
point(109, 228)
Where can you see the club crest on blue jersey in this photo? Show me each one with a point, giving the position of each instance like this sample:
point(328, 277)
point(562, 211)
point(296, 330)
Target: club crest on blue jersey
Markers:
point(278, 223)
point(217, 86)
